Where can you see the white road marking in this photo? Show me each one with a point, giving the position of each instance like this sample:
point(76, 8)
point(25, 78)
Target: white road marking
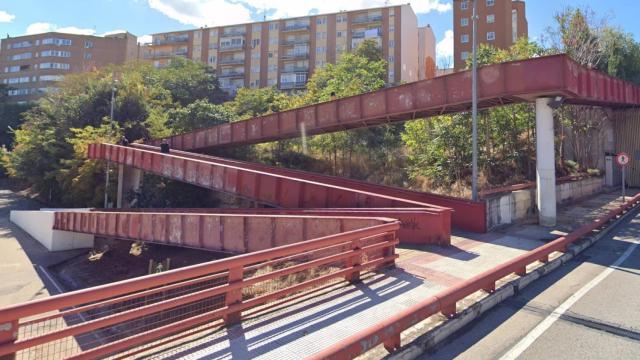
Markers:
point(534, 334)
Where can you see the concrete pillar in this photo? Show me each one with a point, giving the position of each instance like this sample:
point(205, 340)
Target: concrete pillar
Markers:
point(546, 164)
point(129, 178)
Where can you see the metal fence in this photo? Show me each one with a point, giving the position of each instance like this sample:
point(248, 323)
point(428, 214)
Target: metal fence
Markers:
point(126, 315)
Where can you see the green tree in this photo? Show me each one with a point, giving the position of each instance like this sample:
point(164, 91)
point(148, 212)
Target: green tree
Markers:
point(199, 114)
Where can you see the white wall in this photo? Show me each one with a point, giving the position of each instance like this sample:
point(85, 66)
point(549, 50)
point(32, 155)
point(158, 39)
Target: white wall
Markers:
point(509, 208)
point(409, 50)
point(39, 224)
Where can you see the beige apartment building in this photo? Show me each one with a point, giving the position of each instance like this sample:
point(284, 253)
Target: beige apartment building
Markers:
point(31, 65)
point(284, 53)
point(426, 53)
point(500, 23)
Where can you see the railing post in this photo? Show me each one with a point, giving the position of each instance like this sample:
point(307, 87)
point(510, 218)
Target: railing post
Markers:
point(234, 296)
point(353, 261)
point(390, 250)
point(8, 335)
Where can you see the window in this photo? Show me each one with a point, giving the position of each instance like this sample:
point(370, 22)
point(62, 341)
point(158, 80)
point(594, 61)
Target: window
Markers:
point(18, 92)
point(491, 35)
point(341, 18)
point(392, 28)
point(257, 27)
point(321, 20)
point(464, 38)
point(321, 49)
point(19, 45)
point(56, 53)
point(392, 43)
point(88, 56)
point(10, 69)
point(18, 80)
point(255, 42)
point(321, 35)
point(273, 67)
point(51, 77)
point(464, 22)
point(491, 18)
point(273, 26)
point(19, 56)
point(60, 66)
point(464, 5)
point(392, 59)
point(464, 55)
point(54, 41)
point(491, 2)
point(273, 41)
point(88, 44)
point(340, 33)
point(255, 69)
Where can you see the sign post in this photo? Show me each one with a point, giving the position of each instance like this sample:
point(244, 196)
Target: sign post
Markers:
point(622, 159)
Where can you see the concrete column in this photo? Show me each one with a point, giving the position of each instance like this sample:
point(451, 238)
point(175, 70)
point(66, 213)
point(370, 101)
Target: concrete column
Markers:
point(545, 164)
point(129, 178)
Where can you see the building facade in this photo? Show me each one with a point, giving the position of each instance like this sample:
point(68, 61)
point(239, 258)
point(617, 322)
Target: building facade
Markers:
point(500, 23)
point(426, 53)
point(285, 53)
point(31, 65)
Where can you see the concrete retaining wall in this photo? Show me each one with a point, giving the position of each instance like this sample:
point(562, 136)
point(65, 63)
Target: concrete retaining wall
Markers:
point(509, 208)
point(39, 224)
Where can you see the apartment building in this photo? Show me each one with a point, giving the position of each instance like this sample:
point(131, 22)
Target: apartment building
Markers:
point(284, 53)
point(426, 53)
point(31, 65)
point(500, 23)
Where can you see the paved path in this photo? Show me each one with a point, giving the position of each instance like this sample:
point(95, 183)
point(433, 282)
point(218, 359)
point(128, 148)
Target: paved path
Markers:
point(588, 309)
point(22, 258)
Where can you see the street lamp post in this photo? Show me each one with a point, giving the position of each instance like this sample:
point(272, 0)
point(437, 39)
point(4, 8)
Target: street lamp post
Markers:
point(106, 181)
point(474, 107)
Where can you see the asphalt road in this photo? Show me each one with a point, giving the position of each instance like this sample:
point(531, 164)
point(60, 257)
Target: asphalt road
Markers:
point(587, 309)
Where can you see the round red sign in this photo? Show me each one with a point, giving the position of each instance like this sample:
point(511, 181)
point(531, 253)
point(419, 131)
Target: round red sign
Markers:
point(622, 159)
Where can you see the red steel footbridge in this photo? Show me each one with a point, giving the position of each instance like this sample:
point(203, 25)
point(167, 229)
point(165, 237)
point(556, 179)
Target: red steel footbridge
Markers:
point(308, 232)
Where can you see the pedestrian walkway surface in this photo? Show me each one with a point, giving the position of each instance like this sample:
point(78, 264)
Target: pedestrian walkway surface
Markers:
point(320, 319)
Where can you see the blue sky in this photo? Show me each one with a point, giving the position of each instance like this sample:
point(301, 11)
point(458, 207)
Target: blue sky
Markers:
point(143, 17)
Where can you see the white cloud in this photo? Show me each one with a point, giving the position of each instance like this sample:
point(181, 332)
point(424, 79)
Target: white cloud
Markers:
point(41, 27)
point(144, 39)
point(226, 12)
point(444, 50)
point(5, 17)
point(203, 12)
point(112, 32)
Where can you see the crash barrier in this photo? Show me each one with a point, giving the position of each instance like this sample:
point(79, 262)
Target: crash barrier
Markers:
point(112, 318)
point(388, 332)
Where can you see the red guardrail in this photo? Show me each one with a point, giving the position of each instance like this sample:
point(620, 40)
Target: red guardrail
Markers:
point(467, 215)
point(235, 233)
point(271, 188)
point(388, 332)
point(112, 318)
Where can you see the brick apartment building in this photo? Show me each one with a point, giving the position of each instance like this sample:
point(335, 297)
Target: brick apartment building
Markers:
point(284, 53)
point(500, 23)
point(31, 65)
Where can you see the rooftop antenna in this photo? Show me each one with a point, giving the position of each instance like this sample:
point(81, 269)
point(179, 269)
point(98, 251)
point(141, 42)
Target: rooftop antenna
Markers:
point(264, 12)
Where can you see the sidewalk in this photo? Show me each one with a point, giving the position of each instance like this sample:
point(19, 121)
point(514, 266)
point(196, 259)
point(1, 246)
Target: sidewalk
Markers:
point(299, 328)
point(22, 258)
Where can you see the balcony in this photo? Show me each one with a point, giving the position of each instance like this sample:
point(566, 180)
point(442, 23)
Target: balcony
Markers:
point(296, 27)
point(295, 56)
point(234, 47)
point(292, 85)
point(295, 69)
point(367, 19)
point(231, 61)
point(233, 32)
point(171, 40)
point(366, 34)
point(294, 41)
point(231, 74)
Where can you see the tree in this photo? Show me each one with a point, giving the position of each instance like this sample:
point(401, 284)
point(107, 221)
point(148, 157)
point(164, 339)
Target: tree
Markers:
point(199, 114)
